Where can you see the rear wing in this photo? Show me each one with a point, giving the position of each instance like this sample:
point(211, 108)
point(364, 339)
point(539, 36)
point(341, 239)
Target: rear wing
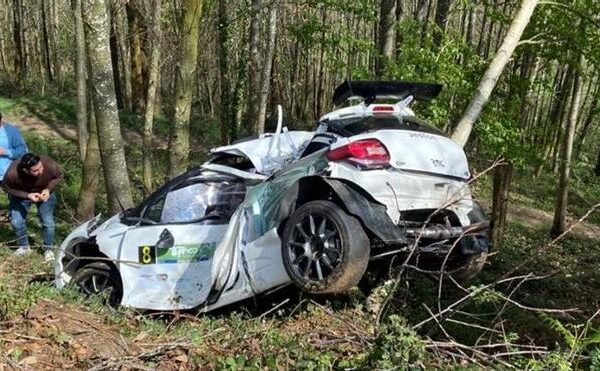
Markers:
point(371, 90)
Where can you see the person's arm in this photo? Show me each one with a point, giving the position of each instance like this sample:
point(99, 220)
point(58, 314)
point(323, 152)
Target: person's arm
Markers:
point(17, 144)
point(57, 176)
point(7, 185)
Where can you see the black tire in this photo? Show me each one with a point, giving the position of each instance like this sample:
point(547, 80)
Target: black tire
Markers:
point(324, 249)
point(470, 267)
point(99, 278)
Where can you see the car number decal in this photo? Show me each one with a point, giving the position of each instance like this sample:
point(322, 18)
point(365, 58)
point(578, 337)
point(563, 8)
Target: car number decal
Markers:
point(190, 253)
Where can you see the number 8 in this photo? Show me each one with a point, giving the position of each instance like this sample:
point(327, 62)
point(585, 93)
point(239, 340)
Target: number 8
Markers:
point(146, 257)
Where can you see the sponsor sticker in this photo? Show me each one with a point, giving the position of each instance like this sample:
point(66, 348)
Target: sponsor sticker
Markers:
point(178, 254)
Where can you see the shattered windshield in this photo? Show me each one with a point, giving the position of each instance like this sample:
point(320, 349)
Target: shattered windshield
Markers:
point(210, 202)
point(359, 125)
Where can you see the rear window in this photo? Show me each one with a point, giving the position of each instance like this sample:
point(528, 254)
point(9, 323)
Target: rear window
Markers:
point(355, 126)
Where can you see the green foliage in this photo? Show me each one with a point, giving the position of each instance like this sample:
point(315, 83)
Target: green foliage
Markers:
point(396, 346)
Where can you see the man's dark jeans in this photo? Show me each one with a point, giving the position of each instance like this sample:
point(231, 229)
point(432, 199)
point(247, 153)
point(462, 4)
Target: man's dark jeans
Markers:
point(18, 217)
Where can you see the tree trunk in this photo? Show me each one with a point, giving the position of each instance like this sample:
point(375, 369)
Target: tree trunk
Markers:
point(18, 38)
point(254, 68)
point(125, 60)
point(105, 106)
point(179, 140)
point(114, 55)
point(502, 179)
point(153, 76)
point(493, 72)
point(265, 75)
point(80, 73)
point(441, 20)
point(54, 34)
point(224, 81)
point(134, 23)
point(587, 123)
point(91, 172)
point(46, 38)
point(560, 210)
point(386, 36)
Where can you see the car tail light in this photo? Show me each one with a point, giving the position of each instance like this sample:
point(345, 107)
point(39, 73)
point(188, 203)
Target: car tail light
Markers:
point(366, 152)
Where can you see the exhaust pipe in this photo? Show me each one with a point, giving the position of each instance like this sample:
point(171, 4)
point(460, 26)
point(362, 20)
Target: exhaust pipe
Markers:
point(440, 232)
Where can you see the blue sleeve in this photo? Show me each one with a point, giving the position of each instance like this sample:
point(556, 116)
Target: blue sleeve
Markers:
point(17, 144)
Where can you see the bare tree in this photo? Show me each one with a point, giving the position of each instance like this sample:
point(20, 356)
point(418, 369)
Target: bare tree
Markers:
point(179, 140)
point(386, 35)
point(254, 69)
point(493, 72)
point(560, 210)
point(266, 70)
point(112, 153)
point(80, 72)
point(153, 76)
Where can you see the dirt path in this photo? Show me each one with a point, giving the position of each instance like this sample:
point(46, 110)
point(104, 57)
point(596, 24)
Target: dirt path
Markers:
point(542, 220)
point(32, 125)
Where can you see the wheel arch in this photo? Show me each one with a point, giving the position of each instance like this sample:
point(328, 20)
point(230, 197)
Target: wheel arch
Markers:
point(353, 199)
point(84, 251)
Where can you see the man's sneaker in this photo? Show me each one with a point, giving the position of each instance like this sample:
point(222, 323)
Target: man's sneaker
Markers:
point(48, 256)
point(22, 251)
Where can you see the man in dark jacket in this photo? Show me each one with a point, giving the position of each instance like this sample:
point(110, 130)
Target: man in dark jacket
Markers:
point(32, 179)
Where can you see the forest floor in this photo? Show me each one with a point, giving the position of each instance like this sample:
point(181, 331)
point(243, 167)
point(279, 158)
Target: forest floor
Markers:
point(44, 328)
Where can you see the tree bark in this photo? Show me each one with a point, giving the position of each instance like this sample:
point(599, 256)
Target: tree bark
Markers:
point(441, 20)
point(502, 179)
point(18, 38)
point(125, 60)
point(560, 210)
point(46, 37)
point(493, 72)
point(265, 75)
point(134, 23)
point(179, 140)
point(105, 106)
point(386, 35)
point(114, 55)
point(92, 168)
point(153, 76)
point(224, 80)
point(81, 77)
point(254, 68)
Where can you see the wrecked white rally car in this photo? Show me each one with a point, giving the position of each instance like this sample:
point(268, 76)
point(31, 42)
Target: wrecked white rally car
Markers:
point(309, 208)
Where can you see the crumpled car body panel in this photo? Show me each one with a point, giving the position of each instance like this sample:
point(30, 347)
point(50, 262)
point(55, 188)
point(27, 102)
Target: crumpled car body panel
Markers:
point(210, 265)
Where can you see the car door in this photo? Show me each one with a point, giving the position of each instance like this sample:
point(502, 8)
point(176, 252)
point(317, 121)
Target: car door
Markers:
point(165, 261)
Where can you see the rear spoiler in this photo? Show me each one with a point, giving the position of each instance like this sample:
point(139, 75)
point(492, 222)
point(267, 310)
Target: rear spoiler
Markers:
point(371, 90)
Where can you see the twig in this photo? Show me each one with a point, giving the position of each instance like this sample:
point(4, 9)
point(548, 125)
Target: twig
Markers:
point(274, 308)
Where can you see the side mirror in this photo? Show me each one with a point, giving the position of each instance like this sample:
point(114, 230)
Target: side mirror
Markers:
point(165, 240)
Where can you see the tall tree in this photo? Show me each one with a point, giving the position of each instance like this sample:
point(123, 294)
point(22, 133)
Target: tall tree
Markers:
point(81, 78)
point(254, 68)
point(179, 140)
point(105, 105)
point(493, 72)
point(266, 70)
point(19, 38)
point(441, 20)
point(386, 35)
point(153, 76)
point(562, 194)
point(135, 13)
point(223, 25)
